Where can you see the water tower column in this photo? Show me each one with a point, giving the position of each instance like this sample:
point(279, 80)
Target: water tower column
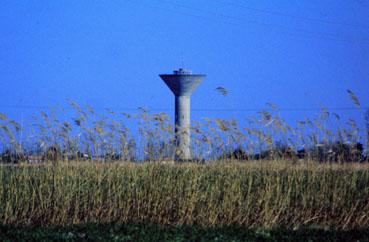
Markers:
point(182, 128)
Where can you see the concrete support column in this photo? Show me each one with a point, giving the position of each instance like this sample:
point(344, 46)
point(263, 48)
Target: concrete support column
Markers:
point(182, 128)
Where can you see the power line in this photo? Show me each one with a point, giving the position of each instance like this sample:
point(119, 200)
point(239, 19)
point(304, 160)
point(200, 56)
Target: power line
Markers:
point(41, 107)
point(241, 22)
point(262, 23)
point(280, 109)
point(276, 13)
point(121, 109)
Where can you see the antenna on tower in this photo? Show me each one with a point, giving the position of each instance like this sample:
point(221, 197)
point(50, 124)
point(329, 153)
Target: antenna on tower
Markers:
point(182, 61)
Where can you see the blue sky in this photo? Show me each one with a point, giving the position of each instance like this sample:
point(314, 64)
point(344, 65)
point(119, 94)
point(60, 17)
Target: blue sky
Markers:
point(297, 54)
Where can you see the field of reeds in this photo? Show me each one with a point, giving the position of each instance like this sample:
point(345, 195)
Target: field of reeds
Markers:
point(76, 166)
point(81, 133)
point(254, 194)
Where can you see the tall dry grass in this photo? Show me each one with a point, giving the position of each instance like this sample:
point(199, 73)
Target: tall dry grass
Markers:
point(254, 194)
point(111, 136)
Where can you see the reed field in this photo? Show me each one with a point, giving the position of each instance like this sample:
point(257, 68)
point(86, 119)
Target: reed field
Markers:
point(255, 194)
point(82, 167)
point(81, 133)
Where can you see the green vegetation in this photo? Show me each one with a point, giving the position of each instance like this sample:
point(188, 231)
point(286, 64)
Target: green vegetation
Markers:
point(252, 195)
point(152, 232)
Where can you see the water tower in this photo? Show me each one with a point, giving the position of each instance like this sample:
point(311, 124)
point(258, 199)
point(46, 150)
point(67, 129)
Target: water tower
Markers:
point(182, 83)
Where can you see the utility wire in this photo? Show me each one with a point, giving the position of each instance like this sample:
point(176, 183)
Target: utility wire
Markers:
point(121, 109)
point(243, 21)
point(276, 13)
